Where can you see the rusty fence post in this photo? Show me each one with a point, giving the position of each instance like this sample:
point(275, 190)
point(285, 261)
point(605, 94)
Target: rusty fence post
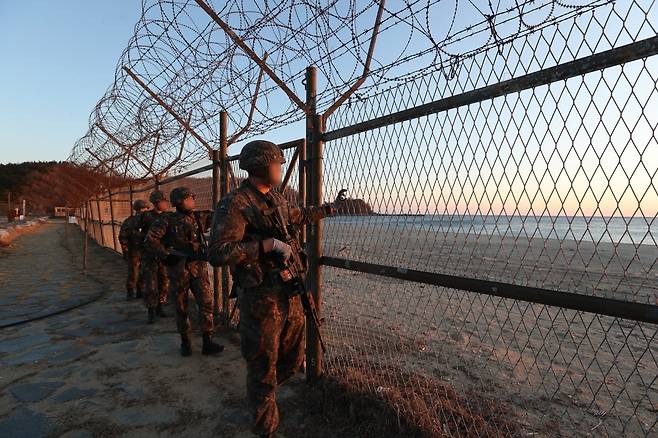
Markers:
point(216, 272)
point(90, 219)
point(66, 222)
point(114, 232)
point(314, 128)
point(130, 194)
point(85, 247)
point(95, 223)
point(100, 221)
point(301, 184)
point(223, 191)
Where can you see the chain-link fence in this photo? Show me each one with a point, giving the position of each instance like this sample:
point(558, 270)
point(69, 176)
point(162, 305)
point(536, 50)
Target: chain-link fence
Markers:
point(490, 203)
point(493, 271)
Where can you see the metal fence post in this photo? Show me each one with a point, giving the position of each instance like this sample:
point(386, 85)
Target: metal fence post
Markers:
point(100, 221)
point(314, 127)
point(216, 271)
point(66, 221)
point(114, 232)
point(223, 191)
point(90, 220)
point(85, 247)
point(95, 223)
point(301, 185)
point(130, 194)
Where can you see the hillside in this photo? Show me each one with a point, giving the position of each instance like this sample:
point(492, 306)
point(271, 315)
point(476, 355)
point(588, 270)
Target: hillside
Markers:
point(45, 185)
point(14, 175)
point(14, 178)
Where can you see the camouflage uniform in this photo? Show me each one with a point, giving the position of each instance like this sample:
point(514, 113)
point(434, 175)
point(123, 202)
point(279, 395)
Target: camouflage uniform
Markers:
point(154, 272)
point(180, 231)
point(131, 240)
point(271, 324)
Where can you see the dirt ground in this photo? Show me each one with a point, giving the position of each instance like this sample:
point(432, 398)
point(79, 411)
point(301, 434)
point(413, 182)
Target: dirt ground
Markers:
point(100, 371)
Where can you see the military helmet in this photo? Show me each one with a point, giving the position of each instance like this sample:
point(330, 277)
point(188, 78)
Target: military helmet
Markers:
point(179, 194)
point(139, 205)
point(259, 154)
point(157, 196)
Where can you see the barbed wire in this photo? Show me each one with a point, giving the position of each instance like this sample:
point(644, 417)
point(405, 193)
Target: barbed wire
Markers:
point(197, 69)
point(477, 278)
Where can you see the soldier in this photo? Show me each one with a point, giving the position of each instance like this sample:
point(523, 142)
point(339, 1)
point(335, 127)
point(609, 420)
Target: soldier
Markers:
point(271, 321)
point(131, 239)
point(178, 238)
point(154, 272)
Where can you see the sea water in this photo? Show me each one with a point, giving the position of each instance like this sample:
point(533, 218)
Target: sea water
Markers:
point(598, 229)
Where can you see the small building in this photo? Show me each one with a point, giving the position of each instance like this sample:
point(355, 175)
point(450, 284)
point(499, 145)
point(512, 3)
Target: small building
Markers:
point(60, 211)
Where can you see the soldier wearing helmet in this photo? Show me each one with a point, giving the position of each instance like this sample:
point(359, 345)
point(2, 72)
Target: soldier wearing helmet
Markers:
point(271, 321)
point(154, 272)
point(178, 238)
point(131, 238)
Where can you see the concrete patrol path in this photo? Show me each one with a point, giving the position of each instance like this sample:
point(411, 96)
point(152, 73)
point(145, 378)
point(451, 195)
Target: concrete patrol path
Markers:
point(87, 364)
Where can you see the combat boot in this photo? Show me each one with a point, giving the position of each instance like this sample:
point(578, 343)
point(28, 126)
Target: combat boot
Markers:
point(130, 294)
point(209, 347)
point(151, 319)
point(160, 311)
point(185, 346)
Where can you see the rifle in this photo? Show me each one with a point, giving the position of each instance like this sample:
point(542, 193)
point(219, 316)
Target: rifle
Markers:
point(188, 255)
point(292, 274)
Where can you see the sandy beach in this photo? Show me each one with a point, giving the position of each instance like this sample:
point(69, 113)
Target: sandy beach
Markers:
point(560, 372)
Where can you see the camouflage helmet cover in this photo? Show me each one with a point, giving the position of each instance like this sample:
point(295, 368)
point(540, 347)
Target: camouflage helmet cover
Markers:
point(139, 205)
point(258, 154)
point(157, 196)
point(179, 194)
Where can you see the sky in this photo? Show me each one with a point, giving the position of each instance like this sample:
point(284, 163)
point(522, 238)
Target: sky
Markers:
point(57, 59)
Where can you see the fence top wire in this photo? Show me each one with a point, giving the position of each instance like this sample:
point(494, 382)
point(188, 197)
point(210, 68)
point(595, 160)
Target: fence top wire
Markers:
point(181, 54)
